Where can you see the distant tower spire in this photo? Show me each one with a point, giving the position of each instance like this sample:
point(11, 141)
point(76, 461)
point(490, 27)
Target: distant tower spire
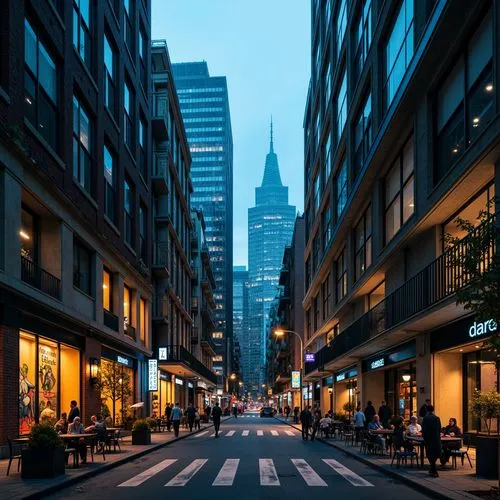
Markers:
point(271, 149)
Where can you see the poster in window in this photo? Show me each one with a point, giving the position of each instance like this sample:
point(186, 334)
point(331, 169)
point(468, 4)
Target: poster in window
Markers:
point(47, 382)
point(27, 381)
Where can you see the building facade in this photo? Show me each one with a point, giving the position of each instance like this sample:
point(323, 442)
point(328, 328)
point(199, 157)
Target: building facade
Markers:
point(180, 362)
point(205, 110)
point(75, 253)
point(270, 227)
point(401, 138)
point(240, 317)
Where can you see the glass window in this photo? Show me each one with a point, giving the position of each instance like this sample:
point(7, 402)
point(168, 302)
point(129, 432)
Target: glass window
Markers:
point(70, 382)
point(399, 192)
point(128, 116)
point(144, 320)
point(82, 142)
point(326, 294)
point(399, 50)
point(128, 26)
point(363, 38)
point(143, 224)
point(363, 243)
point(40, 87)
point(142, 148)
point(342, 106)
point(326, 224)
point(107, 290)
point(363, 135)
point(109, 75)
point(317, 192)
point(341, 276)
point(29, 236)
point(27, 382)
point(341, 187)
point(316, 252)
point(143, 57)
point(110, 178)
point(341, 24)
point(82, 267)
point(327, 79)
point(127, 305)
point(328, 157)
point(377, 295)
point(128, 201)
point(466, 99)
point(81, 29)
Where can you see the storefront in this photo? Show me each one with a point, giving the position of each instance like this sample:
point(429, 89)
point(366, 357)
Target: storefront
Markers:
point(118, 374)
point(462, 364)
point(164, 394)
point(327, 394)
point(49, 378)
point(346, 390)
point(392, 377)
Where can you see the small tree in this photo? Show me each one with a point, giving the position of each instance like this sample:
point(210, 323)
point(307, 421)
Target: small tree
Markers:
point(115, 385)
point(486, 406)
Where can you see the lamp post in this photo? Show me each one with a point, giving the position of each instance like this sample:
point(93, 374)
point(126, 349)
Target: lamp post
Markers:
point(280, 333)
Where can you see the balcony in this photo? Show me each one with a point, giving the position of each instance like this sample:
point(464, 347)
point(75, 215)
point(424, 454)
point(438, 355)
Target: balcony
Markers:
point(160, 114)
point(35, 276)
point(110, 320)
point(160, 309)
point(180, 361)
point(161, 258)
point(129, 331)
point(432, 285)
point(159, 176)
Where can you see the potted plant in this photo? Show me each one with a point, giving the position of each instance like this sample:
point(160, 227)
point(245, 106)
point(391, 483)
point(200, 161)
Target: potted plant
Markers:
point(141, 432)
point(348, 408)
point(44, 456)
point(485, 405)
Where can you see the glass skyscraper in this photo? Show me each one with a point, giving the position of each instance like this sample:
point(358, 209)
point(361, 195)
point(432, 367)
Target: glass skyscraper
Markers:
point(240, 312)
point(205, 111)
point(270, 228)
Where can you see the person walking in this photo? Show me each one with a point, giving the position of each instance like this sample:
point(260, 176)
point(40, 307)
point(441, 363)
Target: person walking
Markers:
point(176, 418)
point(384, 413)
point(370, 412)
point(168, 415)
point(235, 410)
point(424, 409)
point(296, 415)
point(74, 411)
point(431, 432)
point(359, 422)
point(191, 414)
point(316, 417)
point(216, 415)
point(287, 413)
point(306, 420)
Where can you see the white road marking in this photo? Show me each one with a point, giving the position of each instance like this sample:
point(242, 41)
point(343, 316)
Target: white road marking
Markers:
point(268, 476)
point(147, 474)
point(308, 474)
point(274, 433)
point(245, 433)
point(212, 435)
point(201, 434)
point(226, 475)
point(260, 433)
point(230, 433)
point(289, 433)
point(187, 474)
point(346, 473)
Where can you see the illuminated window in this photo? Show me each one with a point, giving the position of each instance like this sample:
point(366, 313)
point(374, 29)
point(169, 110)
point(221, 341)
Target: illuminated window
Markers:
point(107, 290)
point(127, 306)
point(363, 243)
point(144, 321)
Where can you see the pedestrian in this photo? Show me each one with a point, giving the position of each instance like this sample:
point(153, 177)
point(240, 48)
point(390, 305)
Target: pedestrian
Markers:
point(197, 419)
point(296, 415)
point(76, 427)
point(74, 411)
point(316, 417)
point(208, 410)
point(306, 421)
point(168, 414)
point(369, 413)
point(190, 414)
point(424, 409)
point(235, 411)
point(359, 422)
point(216, 414)
point(176, 418)
point(287, 412)
point(431, 432)
point(384, 412)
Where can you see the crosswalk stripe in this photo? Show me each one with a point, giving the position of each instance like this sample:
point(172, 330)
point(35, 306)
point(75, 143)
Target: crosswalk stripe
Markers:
point(187, 474)
point(346, 473)
point(308, 474)
point(226, 475)
point(147, 474)
point(268, 476)
point(289, 433)
point(212, 435)
point(274, 433)
point(230, 433)
point(201, 434)
point(260, 433)
point(245, 433)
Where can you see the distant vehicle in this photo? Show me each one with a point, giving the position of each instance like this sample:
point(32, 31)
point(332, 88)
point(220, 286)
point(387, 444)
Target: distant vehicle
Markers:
point(266, 411)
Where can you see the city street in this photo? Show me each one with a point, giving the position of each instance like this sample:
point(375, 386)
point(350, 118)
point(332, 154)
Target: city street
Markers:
point(253, 458)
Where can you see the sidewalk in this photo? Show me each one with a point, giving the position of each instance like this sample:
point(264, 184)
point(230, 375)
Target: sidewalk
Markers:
point(13, 487)
point(451, 483)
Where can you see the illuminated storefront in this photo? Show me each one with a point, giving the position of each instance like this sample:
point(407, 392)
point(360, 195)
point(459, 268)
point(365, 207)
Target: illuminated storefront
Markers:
point(163, 396)
point(346, 390)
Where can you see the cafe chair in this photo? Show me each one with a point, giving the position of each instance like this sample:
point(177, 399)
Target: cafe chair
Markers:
point(13, 457)
point(74, 453)
point(461, 453)
point(349, 435)
point(402, 454)
point(115, 441)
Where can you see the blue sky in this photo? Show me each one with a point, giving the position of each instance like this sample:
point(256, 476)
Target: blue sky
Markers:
point(263, 48)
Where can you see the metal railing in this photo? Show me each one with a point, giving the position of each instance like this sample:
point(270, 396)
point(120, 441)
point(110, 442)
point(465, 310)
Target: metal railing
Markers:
point(441, 279)
point(35, 276)
point(110, 320)
point(178, 353)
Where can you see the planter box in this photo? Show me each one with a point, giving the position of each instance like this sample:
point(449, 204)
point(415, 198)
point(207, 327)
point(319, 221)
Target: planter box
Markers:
point(141, 437)
point(37, 463)
point(487, 456)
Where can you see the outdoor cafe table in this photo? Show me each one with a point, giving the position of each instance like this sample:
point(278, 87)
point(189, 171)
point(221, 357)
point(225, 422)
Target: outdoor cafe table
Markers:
point(76, 437)
point(419, 441)
point(383, 432)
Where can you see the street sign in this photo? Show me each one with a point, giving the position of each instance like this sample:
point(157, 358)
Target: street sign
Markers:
point(152, 375)
point(295, 379)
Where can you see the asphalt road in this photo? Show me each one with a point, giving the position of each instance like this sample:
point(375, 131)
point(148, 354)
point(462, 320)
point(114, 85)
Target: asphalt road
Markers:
point(254, 458)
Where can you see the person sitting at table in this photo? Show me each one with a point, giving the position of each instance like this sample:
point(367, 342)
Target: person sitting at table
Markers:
point(76, 427)
point(324, 425)
point(414, 429)
point(375, 425)
point(451, 430)
point(61, 425)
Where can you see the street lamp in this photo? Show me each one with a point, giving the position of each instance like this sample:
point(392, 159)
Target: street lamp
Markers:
point(280, 332)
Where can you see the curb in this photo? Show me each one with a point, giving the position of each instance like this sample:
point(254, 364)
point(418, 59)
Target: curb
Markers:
point(109, 466)
point(394, 475)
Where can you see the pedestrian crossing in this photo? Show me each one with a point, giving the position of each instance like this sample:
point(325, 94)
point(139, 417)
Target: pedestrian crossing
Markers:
point(268, 473)
point(247, 433)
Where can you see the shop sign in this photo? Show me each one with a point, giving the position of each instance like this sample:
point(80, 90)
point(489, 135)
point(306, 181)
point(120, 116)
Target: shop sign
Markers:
point(310, 357)
point(122, 360)
point(152, 374)
point(346, 374)
point(179, 381)
point(295, 379)
point(400, 353)
point(479, 328)
point(340, 377)
point(377, 363)
point(162, 354)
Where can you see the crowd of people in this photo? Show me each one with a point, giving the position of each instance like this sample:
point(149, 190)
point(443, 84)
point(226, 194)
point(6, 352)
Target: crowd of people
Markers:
point(174, 413)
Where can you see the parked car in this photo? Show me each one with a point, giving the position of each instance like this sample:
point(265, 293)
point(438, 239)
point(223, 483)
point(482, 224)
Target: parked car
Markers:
point(266, 411)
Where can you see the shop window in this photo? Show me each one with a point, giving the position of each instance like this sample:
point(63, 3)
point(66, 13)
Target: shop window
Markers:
point(107, 290)
point(399, 192)
point(110, 184)
point(144, 320)
point(363, 38)
point(362, 135)
point(82, 146)
point(363, 243)
point(82, 267)
point(341, 276)
point(40, 87)
point(466, 100)
point(27, 382)
point(341, 188)
point(70, 385)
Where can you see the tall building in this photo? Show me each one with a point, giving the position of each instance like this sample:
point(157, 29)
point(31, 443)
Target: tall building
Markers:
point(75, 252)
point(270, 227)
point(240, 314)
point(401, 138)
point(205, 110)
